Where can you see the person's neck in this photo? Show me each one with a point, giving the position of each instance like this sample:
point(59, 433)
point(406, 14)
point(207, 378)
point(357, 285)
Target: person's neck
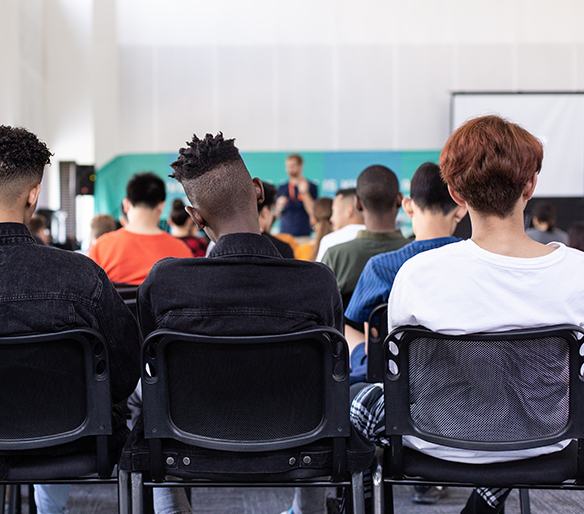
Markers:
point(143, 221)
point(180, 231)
point(379, 222)
point(12, 215)
point(505, 236)
point(237, 226)
point(428, 225)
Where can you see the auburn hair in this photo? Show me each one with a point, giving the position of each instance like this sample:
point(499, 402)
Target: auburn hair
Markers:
point(488, 161)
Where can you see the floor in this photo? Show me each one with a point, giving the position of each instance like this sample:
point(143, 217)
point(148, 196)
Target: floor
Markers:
point(102, 499)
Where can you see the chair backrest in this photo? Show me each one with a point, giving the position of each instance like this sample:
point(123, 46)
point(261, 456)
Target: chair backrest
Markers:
point(54, 389)
point(376, 334)
point(494, 391)
point(128, 293)
point(246, 394)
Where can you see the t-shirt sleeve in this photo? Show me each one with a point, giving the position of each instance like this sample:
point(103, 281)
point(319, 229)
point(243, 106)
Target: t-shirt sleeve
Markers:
point(371, 291)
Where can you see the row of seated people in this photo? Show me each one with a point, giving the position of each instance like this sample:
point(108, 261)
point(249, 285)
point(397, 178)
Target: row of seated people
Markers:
point(500, 279)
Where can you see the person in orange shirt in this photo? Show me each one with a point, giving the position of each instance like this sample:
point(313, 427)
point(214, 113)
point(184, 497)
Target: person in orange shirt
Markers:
point(128, 253)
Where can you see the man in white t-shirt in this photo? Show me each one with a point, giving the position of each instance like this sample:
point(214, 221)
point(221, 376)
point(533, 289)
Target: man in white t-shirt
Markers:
point(346, 221)
point(498, 280)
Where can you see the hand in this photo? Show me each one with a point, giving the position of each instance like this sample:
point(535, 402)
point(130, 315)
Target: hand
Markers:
point(303, 187)
point(281, 203)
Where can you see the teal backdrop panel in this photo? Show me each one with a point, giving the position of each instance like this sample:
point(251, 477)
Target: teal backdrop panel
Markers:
point(330, 170)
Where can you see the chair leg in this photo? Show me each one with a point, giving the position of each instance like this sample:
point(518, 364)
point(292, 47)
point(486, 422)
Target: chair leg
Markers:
point(377, 480)
point(32, 508)
point(137, 493)
point(524, 501)
point(388, 498)
point(3, 496)
point(13, 499)
point(124, 492)
point(357, 493)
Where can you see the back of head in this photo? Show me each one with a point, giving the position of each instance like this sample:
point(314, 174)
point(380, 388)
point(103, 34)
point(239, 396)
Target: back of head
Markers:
point(488, 161)
point(378, 189)
point(323, 209)
point(178, 215)
point(576, 235)
point(146, 190)
point(429, 191)
point(270, 192)
point(102, 224)
point(545, 212)
point(23, 158)
point(214, 177)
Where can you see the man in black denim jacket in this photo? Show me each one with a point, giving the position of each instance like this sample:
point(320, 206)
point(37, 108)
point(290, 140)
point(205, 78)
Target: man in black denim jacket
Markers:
point(245, 287)
point(44, 289)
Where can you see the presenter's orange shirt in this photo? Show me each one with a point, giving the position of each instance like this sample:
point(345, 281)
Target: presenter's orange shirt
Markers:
point(127, 257)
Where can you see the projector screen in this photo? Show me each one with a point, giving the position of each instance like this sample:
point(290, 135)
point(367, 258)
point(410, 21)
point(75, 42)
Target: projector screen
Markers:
point(557, 119)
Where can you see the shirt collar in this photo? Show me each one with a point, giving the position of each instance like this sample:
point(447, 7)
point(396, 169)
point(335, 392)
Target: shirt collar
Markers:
point(244, 243)
point(379, 236)
point(8, 232)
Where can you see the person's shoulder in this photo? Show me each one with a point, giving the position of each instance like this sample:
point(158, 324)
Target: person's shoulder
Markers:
point(434, 258)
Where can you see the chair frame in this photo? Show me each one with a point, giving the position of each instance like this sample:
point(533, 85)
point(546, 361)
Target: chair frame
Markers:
point(398, 421)
point(158, 425)
point(376, 334)
point(98, 420)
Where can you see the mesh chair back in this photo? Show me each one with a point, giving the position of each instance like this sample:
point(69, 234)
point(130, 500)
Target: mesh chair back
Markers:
point(54, 388)
point(247, 393)
point(376, 334)
point(498, 391)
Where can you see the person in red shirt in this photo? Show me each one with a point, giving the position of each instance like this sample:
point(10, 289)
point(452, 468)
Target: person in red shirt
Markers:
point(128, 253)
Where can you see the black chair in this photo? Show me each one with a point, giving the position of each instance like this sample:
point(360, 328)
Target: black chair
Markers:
point(246, 411)
point(54, 390)
point(376, 334)
point(495, 391)
point(128, 293)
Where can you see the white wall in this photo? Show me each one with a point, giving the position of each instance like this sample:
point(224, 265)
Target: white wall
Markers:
point(329, 74)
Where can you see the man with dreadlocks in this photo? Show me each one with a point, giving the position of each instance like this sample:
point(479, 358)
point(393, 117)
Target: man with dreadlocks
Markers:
point(245, 287)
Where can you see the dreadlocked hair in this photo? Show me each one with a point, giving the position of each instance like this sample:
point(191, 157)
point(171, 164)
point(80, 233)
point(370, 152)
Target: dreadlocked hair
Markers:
point(203, 155)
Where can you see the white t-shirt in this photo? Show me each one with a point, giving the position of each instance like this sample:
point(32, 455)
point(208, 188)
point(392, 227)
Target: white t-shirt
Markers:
point(461, 288)
point(347, 233)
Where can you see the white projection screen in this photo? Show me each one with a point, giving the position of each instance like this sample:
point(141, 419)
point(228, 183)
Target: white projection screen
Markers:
point(557, 119)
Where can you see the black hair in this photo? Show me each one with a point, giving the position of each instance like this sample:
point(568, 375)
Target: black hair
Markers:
point(178, 215)
point(203, 155)
point(545, 212)
point(576, 235)
point(146, 189)
point(22, 155)
point(348, 191)
point(429, 190)
point(377, 189)
point(270, 192)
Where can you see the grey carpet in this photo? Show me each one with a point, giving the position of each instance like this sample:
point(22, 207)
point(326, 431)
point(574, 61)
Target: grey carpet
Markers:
point(102, 499)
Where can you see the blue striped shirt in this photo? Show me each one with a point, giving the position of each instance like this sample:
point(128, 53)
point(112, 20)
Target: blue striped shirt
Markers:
point(377, 278)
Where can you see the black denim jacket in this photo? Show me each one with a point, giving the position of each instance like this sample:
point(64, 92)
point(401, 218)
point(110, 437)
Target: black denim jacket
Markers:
point(44, 289)
point(244, 287)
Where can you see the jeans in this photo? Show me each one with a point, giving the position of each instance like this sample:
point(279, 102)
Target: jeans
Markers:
point(52, 499)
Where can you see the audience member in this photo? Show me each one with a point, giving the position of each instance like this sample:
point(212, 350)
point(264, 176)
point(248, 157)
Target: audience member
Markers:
point(576, 235)
point(544, 225)
point(181, 227)
point(244, 287)
point(127, 254)
point(378, 199)
point(45, 290)
point(321, 223)
point(266, 218)
point(346, 221)
point(498, 280)
point(39, 229)
point(101, 224)
point(296, 199)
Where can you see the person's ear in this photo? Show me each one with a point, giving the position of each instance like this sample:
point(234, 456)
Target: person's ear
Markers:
point(195, 215)
point(408, 207)
point(358, 204)
point(160, 207)
point(126, 205)
point(460, 212)
point(530, 187)
point(456, 197)
point(259, 189)
point(33, 196)
point(399, 199)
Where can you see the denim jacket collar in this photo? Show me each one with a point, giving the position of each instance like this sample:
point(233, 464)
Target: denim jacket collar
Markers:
point(244, 243)
point(11, 233)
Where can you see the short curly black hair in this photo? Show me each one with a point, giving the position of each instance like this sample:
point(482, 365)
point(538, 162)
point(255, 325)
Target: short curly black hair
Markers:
point(22, 155)
point(203, 155)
